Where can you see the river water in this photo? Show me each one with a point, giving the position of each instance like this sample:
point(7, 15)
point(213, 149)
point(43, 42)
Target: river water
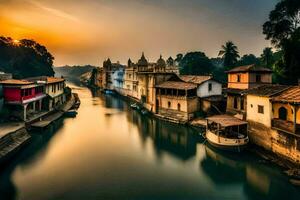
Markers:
point(110, 151)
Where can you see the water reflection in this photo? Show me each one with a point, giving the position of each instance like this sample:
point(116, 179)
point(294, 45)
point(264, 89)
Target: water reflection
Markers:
point(110, 151)
point(259, 181)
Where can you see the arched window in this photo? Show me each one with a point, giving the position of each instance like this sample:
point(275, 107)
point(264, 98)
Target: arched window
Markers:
point(178, 107)
point(169, 104)
point(282, 113)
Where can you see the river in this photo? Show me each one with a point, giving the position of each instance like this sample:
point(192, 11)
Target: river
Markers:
point(110, 151)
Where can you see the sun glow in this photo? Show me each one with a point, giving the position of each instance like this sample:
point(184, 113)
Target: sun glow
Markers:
point(16, 42)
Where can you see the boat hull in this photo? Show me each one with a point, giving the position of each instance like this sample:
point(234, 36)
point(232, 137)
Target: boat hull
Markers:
point(226, 144)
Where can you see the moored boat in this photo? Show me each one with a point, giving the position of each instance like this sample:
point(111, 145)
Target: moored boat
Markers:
point(227, 132)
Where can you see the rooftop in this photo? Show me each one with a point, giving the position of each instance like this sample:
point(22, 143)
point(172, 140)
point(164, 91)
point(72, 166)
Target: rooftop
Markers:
point(226, 120)
point(267, 90)
point(195, 79)
point(16, 82)
point(249, 68)
point(291, 95)
point(177, 85)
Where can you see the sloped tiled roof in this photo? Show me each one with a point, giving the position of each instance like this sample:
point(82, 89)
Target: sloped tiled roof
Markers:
point(177, 85)
point(54, 79)
point(291, 95)
point(267, 90)
point(16, 82)
point(195, 79)
point(249, 68)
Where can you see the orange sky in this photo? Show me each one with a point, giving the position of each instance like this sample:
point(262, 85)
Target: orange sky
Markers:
point(86, 32)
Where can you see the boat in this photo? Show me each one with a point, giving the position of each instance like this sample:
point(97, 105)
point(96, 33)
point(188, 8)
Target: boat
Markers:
point(134, 106)
point(144, 111)
point(71, 113)
point(107, 91)
point(227, 132)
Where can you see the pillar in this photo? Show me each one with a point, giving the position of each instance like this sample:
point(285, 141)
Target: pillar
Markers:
point(295, 118)
point(25, 112)
point(40, 105)
point(33, 106)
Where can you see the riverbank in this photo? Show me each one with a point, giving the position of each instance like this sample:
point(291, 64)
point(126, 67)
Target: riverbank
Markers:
point(14, 135)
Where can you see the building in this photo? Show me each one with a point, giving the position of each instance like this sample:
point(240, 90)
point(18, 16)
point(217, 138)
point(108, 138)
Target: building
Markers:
point(274, 119)
point(118, 80)
point(1, 99)
point(23, 98)
point(240, 79)
point(108, 70)
point(54, 89)
point(177, 100)
point(209, 92)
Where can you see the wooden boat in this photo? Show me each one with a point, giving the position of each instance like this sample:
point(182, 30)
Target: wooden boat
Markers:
point(227, 132)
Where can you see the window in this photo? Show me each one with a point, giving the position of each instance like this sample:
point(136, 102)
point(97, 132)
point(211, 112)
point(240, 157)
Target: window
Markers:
point(169, 104)
point(178, 107)
point(260, 109)
point(235, 102)
point(209, 87)
point(258, 78)
point(242, 103)
point(238, 78)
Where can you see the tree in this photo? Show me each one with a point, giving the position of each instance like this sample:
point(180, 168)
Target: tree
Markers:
point(267, 57)
point(178, 58)
point(25, 58)
point(196, 63)
point(170, 61)
point(283, 29)
point(230, 54)
point(248, 59)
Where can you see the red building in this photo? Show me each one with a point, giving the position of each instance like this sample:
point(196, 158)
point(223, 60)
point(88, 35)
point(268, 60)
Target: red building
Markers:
point(24, 98)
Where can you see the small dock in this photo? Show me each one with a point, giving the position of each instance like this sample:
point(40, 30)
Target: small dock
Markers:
point(12, 137)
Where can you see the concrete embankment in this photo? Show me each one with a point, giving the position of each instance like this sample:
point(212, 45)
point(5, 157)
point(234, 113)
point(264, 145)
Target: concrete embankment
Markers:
point(12, 137)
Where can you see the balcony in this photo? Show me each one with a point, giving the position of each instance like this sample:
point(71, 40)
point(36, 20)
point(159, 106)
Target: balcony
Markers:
point(286, 126)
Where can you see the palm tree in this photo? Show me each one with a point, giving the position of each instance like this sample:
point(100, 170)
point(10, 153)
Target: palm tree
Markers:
point(267, 56)
point(230, 54)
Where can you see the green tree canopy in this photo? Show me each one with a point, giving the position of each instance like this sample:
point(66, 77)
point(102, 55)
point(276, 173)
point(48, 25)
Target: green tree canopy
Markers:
point(25, 58)
point(283, 29)
point(196, 63)
point(230, 54)
point(248, 59)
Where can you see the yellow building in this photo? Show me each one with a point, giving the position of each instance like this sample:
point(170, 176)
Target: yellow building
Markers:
point(240, 79)
point(177, 100)
point(274, 119)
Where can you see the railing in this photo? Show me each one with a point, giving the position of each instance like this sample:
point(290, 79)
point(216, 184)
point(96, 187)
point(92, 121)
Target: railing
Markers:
point(286, 126)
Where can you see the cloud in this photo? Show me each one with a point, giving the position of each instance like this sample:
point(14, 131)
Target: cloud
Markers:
point(56, 12)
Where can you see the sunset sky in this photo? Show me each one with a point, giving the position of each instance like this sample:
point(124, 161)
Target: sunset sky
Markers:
point(87, 32)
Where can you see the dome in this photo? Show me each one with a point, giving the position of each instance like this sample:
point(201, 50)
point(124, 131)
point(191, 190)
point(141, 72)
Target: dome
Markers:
point(161, 62)
point(142, 61)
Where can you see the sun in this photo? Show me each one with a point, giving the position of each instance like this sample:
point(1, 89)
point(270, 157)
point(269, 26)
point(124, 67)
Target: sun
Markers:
point(16, 42)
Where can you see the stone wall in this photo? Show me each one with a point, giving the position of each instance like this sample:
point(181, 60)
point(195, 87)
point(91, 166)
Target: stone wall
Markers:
point(283, 144)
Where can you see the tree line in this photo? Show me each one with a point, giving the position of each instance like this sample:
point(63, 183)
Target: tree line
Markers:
point(25, 58)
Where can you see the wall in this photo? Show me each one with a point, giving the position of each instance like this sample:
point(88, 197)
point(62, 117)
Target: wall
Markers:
point(57, 91)
point(290, 110)
point(202, 90)
point(252, 110)
point(244, 80)
point(12, 94)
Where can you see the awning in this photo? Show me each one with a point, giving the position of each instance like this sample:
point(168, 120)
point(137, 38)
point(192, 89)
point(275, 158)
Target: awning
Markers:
point(226, 120)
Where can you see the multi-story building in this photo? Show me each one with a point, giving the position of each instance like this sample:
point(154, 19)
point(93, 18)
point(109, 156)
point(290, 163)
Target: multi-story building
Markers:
point(273, 115)
point(209, 92)
point(177, 100)
point(23, 98)
point(240, 79)
point(54, 89)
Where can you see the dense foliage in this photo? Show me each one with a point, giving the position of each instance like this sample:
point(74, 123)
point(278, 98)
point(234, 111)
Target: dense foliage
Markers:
point(230, 54)
point(196, 63)
point(283, 29)
point(25, 58)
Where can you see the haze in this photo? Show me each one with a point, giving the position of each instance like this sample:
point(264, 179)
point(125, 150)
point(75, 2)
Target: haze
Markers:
point(87, 32)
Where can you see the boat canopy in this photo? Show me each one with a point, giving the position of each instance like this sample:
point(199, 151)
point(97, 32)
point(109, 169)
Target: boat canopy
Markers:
point(226, 120)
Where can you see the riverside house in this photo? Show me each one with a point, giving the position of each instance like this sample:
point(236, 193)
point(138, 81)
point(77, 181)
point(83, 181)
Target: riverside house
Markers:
point(274, 119)
point(54, 89)
point(209, 92)
point(240, 79)
point(23, 98)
